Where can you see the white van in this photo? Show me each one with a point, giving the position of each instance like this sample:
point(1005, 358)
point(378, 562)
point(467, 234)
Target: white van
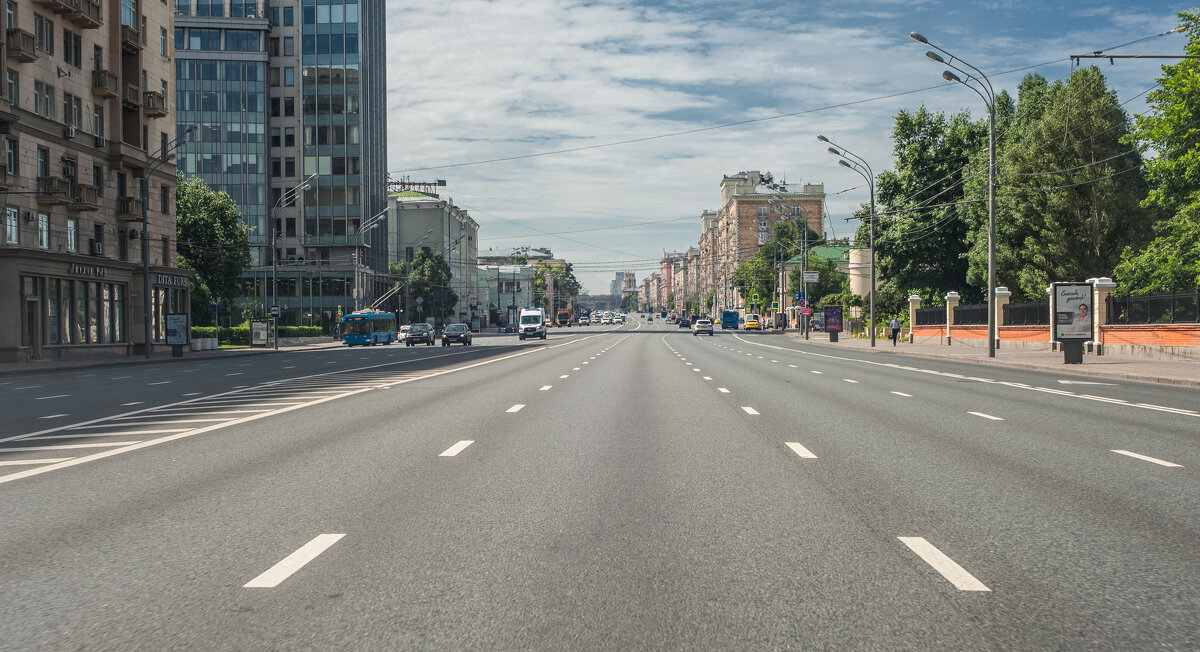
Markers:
point(532, 323)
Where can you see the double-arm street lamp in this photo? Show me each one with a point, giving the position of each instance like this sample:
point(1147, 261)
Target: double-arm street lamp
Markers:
point(982, 86)
point(860, 166)
point(359, 276)
point(285, 199)
point(166, 153)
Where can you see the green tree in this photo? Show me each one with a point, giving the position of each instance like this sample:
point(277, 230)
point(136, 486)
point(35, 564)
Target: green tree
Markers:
point(1171, 261)
point(1068, 192)
point(429, 279)
point(210, 240)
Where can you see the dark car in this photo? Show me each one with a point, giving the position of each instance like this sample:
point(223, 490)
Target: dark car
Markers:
point(419, 334)
point(684, 322)
point(510, 327)
point(456, 333)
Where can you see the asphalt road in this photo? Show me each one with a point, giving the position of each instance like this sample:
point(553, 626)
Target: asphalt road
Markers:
point(607, 488)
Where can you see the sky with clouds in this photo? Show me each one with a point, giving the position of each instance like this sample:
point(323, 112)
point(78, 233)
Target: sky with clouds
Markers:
point(598, 128)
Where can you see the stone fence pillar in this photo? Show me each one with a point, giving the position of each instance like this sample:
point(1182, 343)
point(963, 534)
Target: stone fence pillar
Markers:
point(951, 303)
point(914, 304)
point(1002, 297)
point(1101, 289)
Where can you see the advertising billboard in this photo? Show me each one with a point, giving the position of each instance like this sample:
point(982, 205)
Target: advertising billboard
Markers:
point(833, 319)
point(1072, 311)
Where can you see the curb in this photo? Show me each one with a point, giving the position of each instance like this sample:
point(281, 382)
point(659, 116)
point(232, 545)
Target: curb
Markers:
point(23, 368)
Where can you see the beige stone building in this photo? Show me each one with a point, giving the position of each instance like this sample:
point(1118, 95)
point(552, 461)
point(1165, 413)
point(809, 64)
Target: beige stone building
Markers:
point(85, 118)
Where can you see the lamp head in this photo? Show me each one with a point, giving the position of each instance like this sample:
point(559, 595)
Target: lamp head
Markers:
point(918, 38)
point(934, 56)
point(833, 151)
point(844, 164)
point(949, 76)
point(823, 139)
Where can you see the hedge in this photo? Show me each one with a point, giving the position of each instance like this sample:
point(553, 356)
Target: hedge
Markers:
point(240, 335)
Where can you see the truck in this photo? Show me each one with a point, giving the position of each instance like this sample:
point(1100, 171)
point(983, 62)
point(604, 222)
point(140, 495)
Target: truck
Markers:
point(729, 320)
point(564, 317)
point(532, 323)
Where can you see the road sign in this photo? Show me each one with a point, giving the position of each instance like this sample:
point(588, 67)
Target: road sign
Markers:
point(218, 307)
point(801, 302)
point(754, 297)
point(420, 301)
point(275, 311)
point(774, 305)
point(799, 296)
point(806, 311)
point(811, 277)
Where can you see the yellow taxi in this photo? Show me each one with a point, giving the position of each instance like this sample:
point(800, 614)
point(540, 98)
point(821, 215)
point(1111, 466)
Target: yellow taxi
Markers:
point(753, 323)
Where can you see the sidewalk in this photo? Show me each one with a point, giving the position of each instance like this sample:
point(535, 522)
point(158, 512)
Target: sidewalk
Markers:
point(161, 354)
point(1169, 372)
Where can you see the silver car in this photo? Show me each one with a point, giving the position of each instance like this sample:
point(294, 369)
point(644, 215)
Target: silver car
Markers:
point(702, 326)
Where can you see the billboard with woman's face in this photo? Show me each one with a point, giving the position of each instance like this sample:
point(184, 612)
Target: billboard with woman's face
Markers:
point(1072, 311)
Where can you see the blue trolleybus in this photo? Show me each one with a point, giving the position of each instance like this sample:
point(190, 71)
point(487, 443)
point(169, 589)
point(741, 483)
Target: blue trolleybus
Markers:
point(369, 327)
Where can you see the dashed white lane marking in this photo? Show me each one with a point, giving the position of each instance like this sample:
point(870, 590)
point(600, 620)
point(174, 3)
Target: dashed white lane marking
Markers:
point(236, 373)
point(565, 376)
point(293, 562)
point(161, 382)
point(774, 361)
point(120, 377)
point(584, 363)
point(291, 367)
point(457, 448)
point(695, 369)
point(848, 380)
point(575, 369)
point(722, 390)
point(816, 372)
point(957, 575)
point(902, 394)
point(545, 387)
point(51, 460)
point(131, 403)
point(192, 394)
point(46, 398)
point(792, 366)
point(69, 446)
point(986, 416)
point(749, 410)
point(53, 416)
point(708, 378)
point(516, 408)
point(800, 450)
point(1148, 459)
point(17, 389)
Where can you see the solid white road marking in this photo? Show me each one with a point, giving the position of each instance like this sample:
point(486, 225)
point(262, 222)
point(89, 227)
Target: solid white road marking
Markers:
point(545, 387)
point(800, 450)
point(749, 410)
point(565, 376)
point(193, 394)
point(1148, 459)
point(68, 446)
point(161, 382)
point(131, 403)
point(722, 390)
point(516, 408)
point(17, 389)
point(957, 575)
point(986, 416)
point(902, 394)
point(457, 448)
point(50, 460)
point(850, 381)
point(1084, 382)
point(236, 373)
point(293, 562)
point(53, 416)
point(46, 398)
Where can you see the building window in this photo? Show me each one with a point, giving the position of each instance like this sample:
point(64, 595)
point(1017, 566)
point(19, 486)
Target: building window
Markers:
point(10, 14)
point(289, 137)
point(289, 76)
point(183, 7)
point(795, 211)
point(12, 85)
point(43, 230)
point(162, 41)
point(289, 46)
point(43, 162)
point(289, 16)
point(204, 39)
point(98, 179)
point(289, 106)
point(762, 211)
point(43, 34)
point(129, 13)
point(11, 230)
point(97, 120)
point(10, 155)
point(72, 236)
point(166, 251)
point(72, 48)
point(72, 110)
point(241, 40)
point(180, 41)
point(163, 199)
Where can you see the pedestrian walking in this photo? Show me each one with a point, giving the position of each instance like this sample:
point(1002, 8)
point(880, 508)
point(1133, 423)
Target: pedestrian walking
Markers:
point(895, 330)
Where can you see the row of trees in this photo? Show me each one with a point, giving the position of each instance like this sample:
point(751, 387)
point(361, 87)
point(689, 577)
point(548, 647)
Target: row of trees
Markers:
point(1074, 197)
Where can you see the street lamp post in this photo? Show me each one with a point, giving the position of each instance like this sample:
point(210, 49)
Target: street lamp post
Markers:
point(860, 166)
point(284, 197)
point(359, 277)
point(982, 86)
point(165, 154)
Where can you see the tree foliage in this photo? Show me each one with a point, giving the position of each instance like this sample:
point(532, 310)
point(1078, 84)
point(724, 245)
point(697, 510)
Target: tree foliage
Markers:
point(210, 240)
point(429, 279)
point(1171, 262)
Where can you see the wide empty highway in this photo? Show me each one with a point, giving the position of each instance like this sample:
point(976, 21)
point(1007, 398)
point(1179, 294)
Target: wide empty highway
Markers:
point(624, 487)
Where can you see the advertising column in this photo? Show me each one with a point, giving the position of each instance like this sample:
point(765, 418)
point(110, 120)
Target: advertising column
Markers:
point(1071, 304)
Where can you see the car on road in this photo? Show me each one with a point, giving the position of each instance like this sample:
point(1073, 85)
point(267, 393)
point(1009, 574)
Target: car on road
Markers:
point(585, 321)
point(419, 334)
point(456, 333)
point(753, 323)
point(510, 327)
point(684, 322)
point(702, 326)
point(533, 323)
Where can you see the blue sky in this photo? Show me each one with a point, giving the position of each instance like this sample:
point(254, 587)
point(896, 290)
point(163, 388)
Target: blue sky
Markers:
point(473, 80)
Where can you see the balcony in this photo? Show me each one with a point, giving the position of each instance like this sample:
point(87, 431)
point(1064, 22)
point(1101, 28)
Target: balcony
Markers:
point(131, 39)
point(105, 84)
point(154, 105)
point(87, 14)
point(84, 198)
point(53, 190)
point(58, 6)
point(129, 209)
point(20, 45)
point(132, 97)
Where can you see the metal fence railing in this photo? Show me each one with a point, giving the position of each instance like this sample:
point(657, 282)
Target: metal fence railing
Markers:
point(971, 315)
point(931, 316)
point(1027, 314)
point(1177, 308)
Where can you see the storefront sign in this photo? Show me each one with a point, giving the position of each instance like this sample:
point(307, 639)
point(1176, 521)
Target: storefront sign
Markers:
point(173, 281)
point(88, 270)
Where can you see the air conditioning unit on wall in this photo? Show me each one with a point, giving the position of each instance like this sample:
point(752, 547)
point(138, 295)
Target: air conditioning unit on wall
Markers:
point(69, 131)
point(29, 216)
point(101, 141)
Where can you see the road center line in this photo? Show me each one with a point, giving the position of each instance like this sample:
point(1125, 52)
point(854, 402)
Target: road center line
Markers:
point(1147, 458)
point(957, 575)
point(516, 408)
point(902, 394)
point(457, 448)
point(986, 416)
point(800, 450)
point(293, 562)
point(46, 398)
